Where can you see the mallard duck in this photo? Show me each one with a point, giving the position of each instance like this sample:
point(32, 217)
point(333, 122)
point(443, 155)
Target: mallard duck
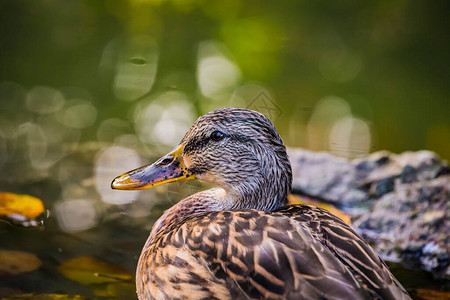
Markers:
point(241, 240)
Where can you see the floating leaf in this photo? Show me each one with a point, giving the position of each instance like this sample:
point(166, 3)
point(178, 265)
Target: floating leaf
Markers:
point(16, 262)
point(295, 199)
point(46, 297)
point(119, 290)
point(24, 205)
point(88, 270)
point(428, 294)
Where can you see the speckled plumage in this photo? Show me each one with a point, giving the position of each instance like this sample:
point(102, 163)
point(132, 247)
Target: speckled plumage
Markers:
point(241, 241)
point(297, 252)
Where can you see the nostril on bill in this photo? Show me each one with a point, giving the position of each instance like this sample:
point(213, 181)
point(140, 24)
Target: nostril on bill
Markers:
point(167, 160)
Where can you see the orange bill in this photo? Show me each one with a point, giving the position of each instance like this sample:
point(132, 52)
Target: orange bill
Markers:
point(169, 168)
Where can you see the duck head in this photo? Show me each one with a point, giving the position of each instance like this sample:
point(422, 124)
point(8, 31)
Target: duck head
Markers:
point(236, 149)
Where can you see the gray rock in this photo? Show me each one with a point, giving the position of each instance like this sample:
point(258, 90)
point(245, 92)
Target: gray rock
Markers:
point(398, 202)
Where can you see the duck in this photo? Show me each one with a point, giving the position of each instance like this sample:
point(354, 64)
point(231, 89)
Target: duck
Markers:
point(242, 239)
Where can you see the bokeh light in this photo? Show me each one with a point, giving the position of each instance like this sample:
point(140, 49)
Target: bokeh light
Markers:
point(110, 163)
point(349, 137)
point(76, 215)
point(44, 100)
point(109, 129)
point(164, 119)
point(327, 111)
point(136, 66)
point(332, 127)
point(79, 114)
point(216, 74)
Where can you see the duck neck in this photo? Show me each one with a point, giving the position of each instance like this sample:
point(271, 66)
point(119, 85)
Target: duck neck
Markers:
point(269, 185)
point(266, 193)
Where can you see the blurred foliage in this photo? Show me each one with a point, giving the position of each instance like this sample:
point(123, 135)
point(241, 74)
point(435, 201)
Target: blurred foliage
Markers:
point(388, 59)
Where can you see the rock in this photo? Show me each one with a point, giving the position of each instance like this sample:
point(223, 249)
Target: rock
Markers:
point(399, 203)
point(411, 225)
point(327, 177)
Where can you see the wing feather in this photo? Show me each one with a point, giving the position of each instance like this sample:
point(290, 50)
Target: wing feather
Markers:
point(270, 255)
point(299, 252)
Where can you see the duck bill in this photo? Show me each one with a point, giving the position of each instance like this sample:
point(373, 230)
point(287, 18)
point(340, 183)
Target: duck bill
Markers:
point(169, 168)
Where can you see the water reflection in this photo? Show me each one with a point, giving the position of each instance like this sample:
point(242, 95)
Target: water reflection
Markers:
point(76, 215)
point(108, 164)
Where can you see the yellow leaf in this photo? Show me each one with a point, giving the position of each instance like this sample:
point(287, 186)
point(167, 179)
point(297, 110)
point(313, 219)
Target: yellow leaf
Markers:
point(24, 205)
point(295, 199)
point(16, 262)
point(88, 270)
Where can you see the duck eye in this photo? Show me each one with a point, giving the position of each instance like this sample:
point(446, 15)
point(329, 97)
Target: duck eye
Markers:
point(217, 136)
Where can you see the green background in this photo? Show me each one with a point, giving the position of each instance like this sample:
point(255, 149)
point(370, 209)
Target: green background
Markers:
point(388, 60)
